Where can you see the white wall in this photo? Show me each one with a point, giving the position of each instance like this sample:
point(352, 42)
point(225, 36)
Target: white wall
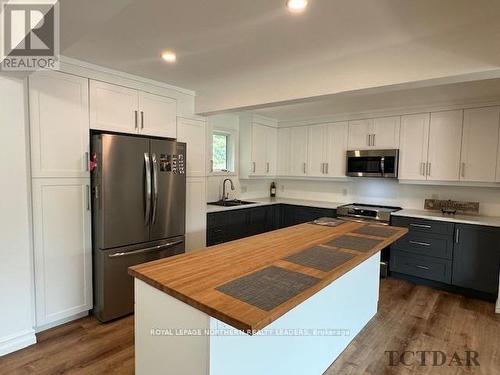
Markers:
point(388, 192)
point(16, 270)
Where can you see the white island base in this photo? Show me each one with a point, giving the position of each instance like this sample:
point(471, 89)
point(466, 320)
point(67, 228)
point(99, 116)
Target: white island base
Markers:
point(344, 307)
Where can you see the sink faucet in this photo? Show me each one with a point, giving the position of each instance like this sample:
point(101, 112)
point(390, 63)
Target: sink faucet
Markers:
point(224, 196)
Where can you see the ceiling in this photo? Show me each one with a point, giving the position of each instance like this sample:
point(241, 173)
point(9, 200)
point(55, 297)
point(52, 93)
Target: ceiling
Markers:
point(362, 102)
point(246, 53)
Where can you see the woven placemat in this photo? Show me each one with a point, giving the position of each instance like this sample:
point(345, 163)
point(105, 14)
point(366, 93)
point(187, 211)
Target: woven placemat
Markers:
point(354, 243)
point(320, 258)
point(268, 287)
point(376, 230)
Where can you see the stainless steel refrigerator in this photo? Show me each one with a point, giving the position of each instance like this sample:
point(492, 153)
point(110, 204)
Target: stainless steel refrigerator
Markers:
point(138, 212)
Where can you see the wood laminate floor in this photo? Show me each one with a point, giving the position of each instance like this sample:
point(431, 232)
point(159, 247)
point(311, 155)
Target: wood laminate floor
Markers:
point(410, 318)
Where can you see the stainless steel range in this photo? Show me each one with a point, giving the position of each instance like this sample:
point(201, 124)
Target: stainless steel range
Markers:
point(367, 213)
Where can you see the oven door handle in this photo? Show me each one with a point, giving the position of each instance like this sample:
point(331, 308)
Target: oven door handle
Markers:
point(146, 250)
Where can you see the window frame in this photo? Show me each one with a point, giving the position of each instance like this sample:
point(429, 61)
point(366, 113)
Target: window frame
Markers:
point(231, 152)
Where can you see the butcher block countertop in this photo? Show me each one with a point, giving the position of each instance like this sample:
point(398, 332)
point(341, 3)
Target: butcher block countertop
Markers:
point(196, 277)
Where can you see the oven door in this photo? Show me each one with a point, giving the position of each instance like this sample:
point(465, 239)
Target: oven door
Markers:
point(372, 163)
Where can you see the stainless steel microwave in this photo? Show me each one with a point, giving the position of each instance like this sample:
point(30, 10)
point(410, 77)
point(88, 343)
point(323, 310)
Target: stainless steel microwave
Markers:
point(373, 163)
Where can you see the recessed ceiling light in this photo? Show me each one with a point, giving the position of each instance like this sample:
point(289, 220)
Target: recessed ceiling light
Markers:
point(296, 5)
point(169, 56)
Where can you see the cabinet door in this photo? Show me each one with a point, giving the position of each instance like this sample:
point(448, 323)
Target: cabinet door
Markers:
point(271, 152)
point(359, 132)
point(259, 133)
point(480, 144)
point(59, 124)
point(113, 108)
point(298, 151)
point(414, 146)
point(196, 204)
point(316, 151)
point(192, 132)
point(445, 143)
point(157, 115)
point(476, 258)
point(62, 248)
point(336, 148)
point(283, 168)
point(386, 132)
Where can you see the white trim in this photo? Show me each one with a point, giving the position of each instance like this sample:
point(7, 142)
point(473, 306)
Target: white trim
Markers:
point(17, 341)
point(192, 117)
point(61, 321)
point(69, 65)
point(497, 310)
point(450, 183)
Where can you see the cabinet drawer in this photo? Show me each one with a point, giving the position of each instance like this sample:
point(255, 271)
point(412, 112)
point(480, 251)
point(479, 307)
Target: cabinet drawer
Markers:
point(421, 266)
point(425, 226)
point(429, 244)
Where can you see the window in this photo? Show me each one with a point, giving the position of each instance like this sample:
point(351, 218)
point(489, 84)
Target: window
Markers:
point(223, 151)
point(220, 151)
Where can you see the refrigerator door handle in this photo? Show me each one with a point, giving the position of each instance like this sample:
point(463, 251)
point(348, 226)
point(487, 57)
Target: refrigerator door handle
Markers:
point(155, 186)
point(147, 250)
point(147, 188)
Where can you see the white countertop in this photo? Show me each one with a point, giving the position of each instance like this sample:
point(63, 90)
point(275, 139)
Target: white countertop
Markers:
point(269, 201)
point(491, 221)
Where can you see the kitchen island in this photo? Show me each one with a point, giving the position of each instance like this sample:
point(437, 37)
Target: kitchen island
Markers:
point(283, 302)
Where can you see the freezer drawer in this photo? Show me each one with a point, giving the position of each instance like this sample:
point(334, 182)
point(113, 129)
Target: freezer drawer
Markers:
point(114, 288)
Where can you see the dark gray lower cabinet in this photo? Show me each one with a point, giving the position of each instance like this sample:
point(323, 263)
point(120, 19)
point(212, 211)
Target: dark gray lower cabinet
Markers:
point(459, 255)
point(476, 258)
point(231, 225)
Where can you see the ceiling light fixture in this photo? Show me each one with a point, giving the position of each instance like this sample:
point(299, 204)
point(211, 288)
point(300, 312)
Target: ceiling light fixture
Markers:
point(296, 5)
point(169, 56)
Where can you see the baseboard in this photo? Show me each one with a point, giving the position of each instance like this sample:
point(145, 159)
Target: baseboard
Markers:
point(17, 342)
point(61, 321)
point(497, 309)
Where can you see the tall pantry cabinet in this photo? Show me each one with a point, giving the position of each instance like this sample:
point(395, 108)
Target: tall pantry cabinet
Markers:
point(59, 135)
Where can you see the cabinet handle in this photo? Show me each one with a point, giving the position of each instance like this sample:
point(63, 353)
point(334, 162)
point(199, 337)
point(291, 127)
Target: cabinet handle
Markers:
point(420, 243)
point(87, 161)
point(422, 169)
point(373, 139)
point(211, 165)
point(429, 165)
point(88, 197)
point(305, 171)
point(253, 167)
point(323, 168)
point(462, 173)
point(369, 139)
point(142, 119)
point(421, 226)
point(457, 235)
point(267, 167)
point(422, 267)
point(326, 166)
point(136, 119)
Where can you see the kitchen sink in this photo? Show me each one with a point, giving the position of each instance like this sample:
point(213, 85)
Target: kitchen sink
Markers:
point(230, 203)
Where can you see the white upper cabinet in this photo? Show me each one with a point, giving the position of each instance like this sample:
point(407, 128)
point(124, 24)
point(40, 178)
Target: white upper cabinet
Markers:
point(360, 132)
point(121, 109)
point(385, 134)
point(271, 150)
point(379, 133)
point(259, 148)
point(59, 125)
point(316, 150)
point(62, 248)
point(414, 146)
point(445, 141)
point(298, 151)
point(192, 132)
point(283, 162)
point(157, 115)
point(480, 144)
point(113, 108)
point(335, 149)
